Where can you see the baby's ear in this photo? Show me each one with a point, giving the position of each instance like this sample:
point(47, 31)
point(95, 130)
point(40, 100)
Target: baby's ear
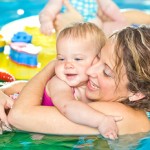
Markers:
point(137, 96)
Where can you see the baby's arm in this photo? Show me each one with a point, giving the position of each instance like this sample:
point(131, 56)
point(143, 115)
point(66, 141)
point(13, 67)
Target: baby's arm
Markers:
point(78, 111)
point(48, 14)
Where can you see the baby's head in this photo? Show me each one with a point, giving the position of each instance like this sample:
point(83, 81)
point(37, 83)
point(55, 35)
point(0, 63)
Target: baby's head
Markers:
point(77, 47)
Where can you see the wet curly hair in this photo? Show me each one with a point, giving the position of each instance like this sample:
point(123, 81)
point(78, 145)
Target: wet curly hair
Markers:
point(132, 49)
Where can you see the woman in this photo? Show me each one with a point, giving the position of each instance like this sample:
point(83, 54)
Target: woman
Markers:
point(121, 74)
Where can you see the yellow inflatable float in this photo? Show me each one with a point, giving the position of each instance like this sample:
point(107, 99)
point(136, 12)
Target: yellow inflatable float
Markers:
point(15, 54)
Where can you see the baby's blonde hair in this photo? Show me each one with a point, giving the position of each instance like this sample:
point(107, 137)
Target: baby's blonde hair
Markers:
point(84, 31)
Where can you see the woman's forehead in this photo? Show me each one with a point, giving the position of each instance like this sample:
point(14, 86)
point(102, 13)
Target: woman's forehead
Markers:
point(107, 53)
point(109, 57)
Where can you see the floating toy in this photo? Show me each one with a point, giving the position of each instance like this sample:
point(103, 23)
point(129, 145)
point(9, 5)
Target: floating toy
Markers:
point(39, 39)
point(12, 60)
point(21, 37)
point(6, 77)
point(2, 43)
point(24, 54)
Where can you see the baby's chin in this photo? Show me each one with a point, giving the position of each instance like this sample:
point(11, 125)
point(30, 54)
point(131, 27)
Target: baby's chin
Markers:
point(76, 83)
point(72, 84)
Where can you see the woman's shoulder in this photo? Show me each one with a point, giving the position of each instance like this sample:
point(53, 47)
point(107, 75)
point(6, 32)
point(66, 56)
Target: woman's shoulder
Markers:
point(110, 108)
point(133, 121)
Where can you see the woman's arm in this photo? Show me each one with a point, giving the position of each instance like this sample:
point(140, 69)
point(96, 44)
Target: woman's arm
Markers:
point(6, 102)
point(28, 115)
point(13, 87)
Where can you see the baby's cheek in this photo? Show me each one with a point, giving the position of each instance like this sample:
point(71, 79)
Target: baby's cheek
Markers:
point(58, 69)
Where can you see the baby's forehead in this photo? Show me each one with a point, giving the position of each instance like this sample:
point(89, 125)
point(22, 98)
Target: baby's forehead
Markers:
point(85, 42)
point(82, 41)
point(76, 38)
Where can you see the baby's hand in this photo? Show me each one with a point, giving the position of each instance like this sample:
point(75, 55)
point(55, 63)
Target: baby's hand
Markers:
point(108, 127)
point(47, 27)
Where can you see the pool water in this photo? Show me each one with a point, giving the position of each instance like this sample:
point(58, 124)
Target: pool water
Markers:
point(143, 5)
point(32, 141)
point(16, 9)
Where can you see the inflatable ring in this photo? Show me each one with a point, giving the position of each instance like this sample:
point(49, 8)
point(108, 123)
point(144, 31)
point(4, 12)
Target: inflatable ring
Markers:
point(6, 77)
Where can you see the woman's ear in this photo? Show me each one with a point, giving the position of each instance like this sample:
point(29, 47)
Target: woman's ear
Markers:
point(136, 96)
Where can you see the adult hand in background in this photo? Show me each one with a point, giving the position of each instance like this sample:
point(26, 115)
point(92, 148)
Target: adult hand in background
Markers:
point(109, 11)
point(64, 19)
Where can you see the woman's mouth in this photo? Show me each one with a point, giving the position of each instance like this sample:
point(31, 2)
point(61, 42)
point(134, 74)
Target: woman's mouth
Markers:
point(92, 86)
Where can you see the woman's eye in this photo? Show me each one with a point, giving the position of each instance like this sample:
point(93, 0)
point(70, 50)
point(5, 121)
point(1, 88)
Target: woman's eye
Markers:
point(107, 73)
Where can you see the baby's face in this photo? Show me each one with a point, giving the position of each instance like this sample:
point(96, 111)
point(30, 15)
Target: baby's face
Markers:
point(74, 57)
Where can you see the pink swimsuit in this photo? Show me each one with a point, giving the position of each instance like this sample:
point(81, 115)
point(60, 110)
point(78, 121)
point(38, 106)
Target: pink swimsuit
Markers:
point(47, 101)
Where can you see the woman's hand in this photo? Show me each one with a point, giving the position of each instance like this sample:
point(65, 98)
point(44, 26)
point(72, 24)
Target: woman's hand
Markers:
point(5, 104)
point(64, 19)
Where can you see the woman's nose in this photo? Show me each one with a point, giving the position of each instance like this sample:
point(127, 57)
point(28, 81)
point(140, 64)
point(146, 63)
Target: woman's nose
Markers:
point(95, 69)
point(91, 71)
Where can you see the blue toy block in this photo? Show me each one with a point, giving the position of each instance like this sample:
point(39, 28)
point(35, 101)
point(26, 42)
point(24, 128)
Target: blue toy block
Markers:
point(22, 37)
point(23, 58)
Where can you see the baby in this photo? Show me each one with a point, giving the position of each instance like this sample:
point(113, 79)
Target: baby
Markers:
point(77, 46)
point(87, 9)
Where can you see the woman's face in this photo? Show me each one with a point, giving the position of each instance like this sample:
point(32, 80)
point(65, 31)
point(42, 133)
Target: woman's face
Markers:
point(102, 77)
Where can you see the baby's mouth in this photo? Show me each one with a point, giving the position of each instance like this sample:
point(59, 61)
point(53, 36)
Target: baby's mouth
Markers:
point(71, 76)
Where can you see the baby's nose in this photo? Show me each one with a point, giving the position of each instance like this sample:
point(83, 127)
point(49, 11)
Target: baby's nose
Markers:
point(69, 65)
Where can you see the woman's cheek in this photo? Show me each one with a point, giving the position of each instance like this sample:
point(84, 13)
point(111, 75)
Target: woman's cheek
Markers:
point(95, 60)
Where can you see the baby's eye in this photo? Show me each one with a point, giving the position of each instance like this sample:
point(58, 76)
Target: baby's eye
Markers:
point(60, 59)
point(78, 59)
